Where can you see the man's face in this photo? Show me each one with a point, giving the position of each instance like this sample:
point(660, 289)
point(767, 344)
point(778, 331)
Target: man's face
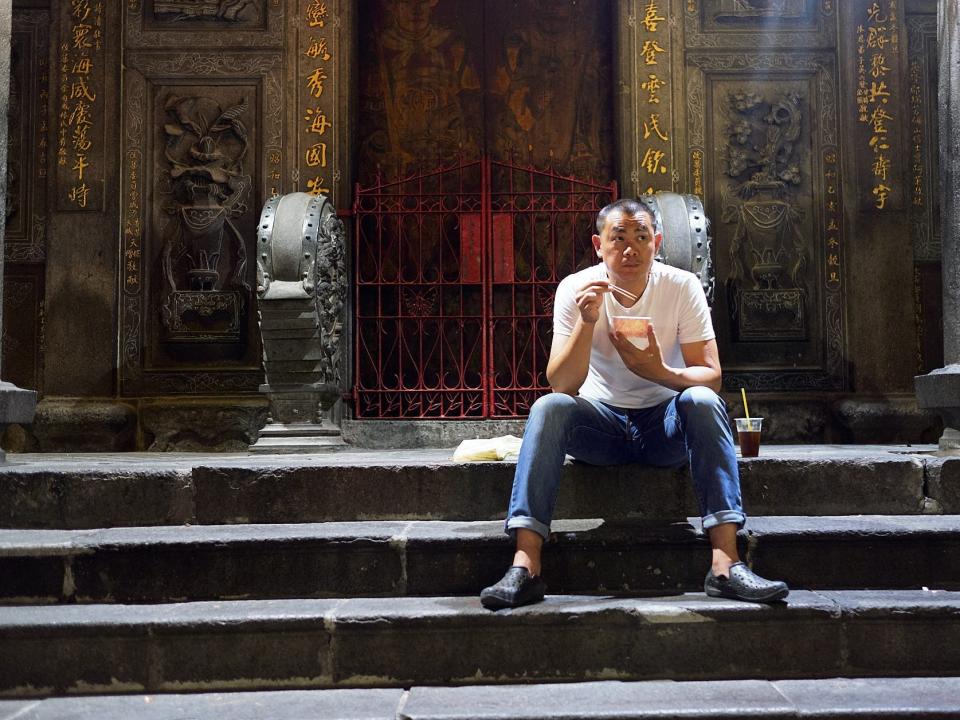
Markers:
point(627, 245)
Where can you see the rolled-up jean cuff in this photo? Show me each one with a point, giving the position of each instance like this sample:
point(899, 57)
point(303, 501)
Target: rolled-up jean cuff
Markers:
point(724, 516)
point(527, 523)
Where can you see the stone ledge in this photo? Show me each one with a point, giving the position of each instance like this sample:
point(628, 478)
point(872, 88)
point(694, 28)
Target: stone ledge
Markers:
point(79, 425)
point(400, 642)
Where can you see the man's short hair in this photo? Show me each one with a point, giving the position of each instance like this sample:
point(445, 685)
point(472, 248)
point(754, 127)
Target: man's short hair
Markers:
point(629, 207)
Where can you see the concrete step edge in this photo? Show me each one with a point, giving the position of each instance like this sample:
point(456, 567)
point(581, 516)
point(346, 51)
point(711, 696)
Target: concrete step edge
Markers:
point(839, 698)
point(389, 642)
point(42, 542)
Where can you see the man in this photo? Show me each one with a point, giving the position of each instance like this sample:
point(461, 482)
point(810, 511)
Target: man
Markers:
point(614, 403)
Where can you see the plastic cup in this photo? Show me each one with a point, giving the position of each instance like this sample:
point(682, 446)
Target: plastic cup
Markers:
point(632, 328)
point(748, 433)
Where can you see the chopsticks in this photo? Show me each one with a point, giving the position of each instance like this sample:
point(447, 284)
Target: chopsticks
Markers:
point(626, 293)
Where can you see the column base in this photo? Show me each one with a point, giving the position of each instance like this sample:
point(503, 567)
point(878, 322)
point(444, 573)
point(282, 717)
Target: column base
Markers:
point(16, 406)
point(278, 438)
point(939, 391)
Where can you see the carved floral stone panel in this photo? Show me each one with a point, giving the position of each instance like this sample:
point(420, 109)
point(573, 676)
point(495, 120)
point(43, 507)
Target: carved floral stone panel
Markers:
point(197, 128)
point(765, 128)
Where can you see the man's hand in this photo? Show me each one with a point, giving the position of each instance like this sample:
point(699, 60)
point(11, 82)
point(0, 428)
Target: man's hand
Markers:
point(646, 362)
point(589, 299)
point(701, 359)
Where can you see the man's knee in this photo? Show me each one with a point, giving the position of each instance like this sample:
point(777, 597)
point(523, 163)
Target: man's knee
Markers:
point(552, 410)
point(701, 403)
point(553, 404)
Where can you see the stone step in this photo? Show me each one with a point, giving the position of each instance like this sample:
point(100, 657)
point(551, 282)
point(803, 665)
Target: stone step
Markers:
point(390, 558)
point(913, 698)
point(75, 491)
point(400, 642)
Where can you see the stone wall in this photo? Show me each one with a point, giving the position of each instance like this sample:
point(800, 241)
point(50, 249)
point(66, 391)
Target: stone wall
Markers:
point(149, 134)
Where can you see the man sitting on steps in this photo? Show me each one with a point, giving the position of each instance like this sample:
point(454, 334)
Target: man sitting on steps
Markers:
point(615, 403)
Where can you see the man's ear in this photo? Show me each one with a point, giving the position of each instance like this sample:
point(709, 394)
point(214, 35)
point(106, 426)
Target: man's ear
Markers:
point(657, 241)
point(596, 244)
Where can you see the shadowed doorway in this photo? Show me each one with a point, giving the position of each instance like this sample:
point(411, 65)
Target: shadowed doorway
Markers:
point(485, 148)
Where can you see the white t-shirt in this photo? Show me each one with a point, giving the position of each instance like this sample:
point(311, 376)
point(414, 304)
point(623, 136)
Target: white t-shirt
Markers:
point(673, 299)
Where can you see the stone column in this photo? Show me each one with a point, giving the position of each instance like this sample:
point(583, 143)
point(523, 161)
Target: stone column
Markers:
point(940, 390)
point(16, 405)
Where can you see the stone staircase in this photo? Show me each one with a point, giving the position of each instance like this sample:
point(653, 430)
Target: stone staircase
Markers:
point(345, 587)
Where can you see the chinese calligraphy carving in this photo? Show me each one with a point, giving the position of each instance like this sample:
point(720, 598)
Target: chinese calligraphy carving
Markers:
point(653, 106)
point(877, 49)
point(317, 62)
point(79, 154)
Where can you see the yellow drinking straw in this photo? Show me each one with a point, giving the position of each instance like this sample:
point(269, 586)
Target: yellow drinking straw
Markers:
point(746, 410)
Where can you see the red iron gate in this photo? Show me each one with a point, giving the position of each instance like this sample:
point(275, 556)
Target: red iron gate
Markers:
point(455, 272)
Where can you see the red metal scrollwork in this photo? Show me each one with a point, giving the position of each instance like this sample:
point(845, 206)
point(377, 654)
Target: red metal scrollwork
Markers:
point(455, 271)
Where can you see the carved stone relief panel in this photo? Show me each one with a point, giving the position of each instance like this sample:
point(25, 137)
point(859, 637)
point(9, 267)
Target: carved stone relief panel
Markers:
point(759, 23)
point(204, 24)
point(197, 132)
point(27, 138)
point(765, 127)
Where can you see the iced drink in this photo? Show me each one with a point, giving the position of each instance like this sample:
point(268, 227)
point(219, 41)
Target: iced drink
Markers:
point(748, 432)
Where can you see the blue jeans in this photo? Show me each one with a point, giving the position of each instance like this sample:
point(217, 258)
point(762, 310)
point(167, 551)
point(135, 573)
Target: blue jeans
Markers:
point(691, 427)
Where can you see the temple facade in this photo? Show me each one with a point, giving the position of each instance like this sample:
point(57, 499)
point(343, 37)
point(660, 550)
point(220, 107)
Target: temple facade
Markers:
point(465, 146)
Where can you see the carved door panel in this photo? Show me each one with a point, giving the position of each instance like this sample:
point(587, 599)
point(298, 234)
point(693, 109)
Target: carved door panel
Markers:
point(25, 238)
point(763, 146)
point(204, 111)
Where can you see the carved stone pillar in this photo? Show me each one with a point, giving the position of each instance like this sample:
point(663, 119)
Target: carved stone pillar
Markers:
point(301, 288)
point(940, 390)
point(16, 405)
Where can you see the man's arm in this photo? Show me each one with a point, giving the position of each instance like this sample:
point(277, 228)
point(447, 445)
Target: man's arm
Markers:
point(570, 359)
point(701, 358)
point(570, 354)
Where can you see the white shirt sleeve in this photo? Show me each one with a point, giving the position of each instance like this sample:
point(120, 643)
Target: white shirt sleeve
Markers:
point(565, 311)
point(695, 323)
